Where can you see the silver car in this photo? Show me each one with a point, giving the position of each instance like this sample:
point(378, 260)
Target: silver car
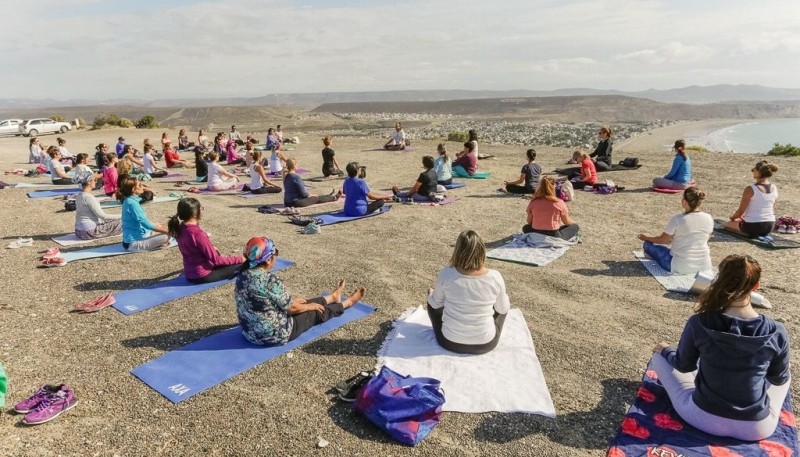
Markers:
point(33, 127)
point(10, 127)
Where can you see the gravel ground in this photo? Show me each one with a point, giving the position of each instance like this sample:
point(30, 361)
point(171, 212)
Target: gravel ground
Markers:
point(594, 314)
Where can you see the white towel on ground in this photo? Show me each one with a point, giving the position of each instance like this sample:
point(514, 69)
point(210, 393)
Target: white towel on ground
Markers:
point(671, 282)
point(532, 248)
point(507, 379)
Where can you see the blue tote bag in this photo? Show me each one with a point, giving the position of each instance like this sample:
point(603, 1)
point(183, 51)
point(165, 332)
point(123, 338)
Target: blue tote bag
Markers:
point(406, 408)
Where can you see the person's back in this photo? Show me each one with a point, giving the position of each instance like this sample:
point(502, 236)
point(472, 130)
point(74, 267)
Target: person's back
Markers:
point(110, 177)
point(470, 303)
point(761, 207)
point(689, 247)
point(444, 168)
point(328, 167)
point(293, 188)
point(355, 191)
point(588, 171)
point(546, 214)
point(256, 182)
point(85, 217)
point(533, 173)
point(427, 180)
point(739, 358)
point(261, 301)
point(275, 165)
point(682, 169)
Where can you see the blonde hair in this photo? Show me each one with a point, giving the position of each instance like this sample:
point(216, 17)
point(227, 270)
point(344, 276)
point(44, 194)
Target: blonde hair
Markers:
point(124, 166)
point(213, 156)
point(291, 163)
point(326, 141)
point(546, 189)
point(470, 252)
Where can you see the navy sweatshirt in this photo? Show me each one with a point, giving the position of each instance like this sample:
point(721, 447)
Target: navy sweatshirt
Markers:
point(738, 360)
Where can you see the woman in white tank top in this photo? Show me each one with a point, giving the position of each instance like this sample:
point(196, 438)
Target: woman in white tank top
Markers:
point(259, 184)
point(276, 162)
point(755, 216)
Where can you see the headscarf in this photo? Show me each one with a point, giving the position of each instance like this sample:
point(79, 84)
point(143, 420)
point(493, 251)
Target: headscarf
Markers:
point(259, 250)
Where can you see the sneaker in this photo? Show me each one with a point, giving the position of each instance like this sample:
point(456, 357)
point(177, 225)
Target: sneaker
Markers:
point(310, 229)
point(25, 406)
point(20, 243)
point(348, 389)
point(51, 406)
point(54, 262)
point(51, 253)
point(791, 230)
point(783, 229)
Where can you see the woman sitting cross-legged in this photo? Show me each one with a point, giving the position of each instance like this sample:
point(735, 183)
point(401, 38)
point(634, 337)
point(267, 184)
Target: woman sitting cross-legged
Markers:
point(687, 234)
point(295, 193)
point(425, 185)
point(468, 304)
point(756, 213)
point(58, 174)
point(268, 314)
point(218, 178)
point(91, 222)
point(357, 195)
point(530, 174)
point(588, 173)
point(259, 184)
point(149, 162)
point(729, 375)
point(136, 227)
point(548, 214)
point(680, 175)
point(467, 160)
point(202, 262)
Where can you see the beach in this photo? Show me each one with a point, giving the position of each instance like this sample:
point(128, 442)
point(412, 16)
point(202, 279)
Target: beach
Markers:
point(594, 314)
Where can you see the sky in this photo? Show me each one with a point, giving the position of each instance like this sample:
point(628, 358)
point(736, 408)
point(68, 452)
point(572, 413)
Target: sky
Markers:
point(147, 49)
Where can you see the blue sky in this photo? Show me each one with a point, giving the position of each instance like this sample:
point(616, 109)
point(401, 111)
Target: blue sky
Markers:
point(149, 49)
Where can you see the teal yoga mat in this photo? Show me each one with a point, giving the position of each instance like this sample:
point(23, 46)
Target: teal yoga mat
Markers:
point(109, 250)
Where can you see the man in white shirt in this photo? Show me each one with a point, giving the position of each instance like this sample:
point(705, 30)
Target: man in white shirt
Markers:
point(234, 136)
point(397, 141)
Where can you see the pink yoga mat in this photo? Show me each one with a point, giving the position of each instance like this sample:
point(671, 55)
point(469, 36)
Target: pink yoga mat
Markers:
point(666, 191)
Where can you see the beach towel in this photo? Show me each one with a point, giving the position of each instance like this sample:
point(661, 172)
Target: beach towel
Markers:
point(54, 192)
point(653, 428)
point(771, 241)
point(336, 218)
point(72, 240)
point(507, 379)
point(31, 184)
point(109, 250)
point(118, 204)
point(137, 300)
point(532, 249)
point(616, 167)
point(671, 282)
point(191, 369)
point(461, 173)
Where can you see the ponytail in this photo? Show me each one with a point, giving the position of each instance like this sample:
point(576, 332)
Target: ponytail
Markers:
point(188, 208)
point(174, 226)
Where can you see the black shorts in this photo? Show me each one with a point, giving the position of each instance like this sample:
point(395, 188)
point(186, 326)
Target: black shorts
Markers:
point(756, 229)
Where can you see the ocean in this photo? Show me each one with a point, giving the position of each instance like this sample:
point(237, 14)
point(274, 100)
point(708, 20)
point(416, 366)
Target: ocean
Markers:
point(755, 136)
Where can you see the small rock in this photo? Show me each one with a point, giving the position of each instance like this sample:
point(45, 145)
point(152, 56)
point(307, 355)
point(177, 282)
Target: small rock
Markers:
point(322, 442)
point(289, 355)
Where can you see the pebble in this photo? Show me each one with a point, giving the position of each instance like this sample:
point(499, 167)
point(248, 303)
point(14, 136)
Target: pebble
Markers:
point(322, 442)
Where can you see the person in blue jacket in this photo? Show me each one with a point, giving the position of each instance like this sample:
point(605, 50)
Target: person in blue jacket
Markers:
point(358, 200)
point(729, 375)
point(680, 175)
point(137, 229)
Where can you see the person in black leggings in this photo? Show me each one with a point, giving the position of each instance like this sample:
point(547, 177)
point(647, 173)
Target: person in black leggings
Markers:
point(602, 153)
point(295, 193)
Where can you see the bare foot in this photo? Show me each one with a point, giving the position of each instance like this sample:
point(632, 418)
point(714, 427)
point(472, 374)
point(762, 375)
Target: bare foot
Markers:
point(354, 297)
point(336, 295)
point(339, 194)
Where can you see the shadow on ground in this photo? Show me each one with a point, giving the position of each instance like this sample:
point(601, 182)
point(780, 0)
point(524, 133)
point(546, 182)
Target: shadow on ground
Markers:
point(124, 284)
point(369, 347)
point(586, 429)
point(616, 268)
point(171, 340)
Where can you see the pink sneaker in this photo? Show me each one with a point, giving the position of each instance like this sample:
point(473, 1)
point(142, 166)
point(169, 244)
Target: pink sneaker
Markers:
point(51, 253)
point(54, 262)
point(51, 406)
point(25, 406)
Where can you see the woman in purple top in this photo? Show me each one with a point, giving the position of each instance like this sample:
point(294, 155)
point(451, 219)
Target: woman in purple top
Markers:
point(357, 195)
point(467, 159)
point(202, 262)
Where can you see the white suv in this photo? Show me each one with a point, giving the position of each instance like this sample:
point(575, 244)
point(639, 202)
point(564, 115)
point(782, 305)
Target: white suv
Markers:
point(33, 127)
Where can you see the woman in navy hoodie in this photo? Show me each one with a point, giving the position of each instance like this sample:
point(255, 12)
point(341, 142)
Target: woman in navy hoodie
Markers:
point(739, 386)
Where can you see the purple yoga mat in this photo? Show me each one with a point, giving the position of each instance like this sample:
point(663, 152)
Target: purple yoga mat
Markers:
point(207, 191)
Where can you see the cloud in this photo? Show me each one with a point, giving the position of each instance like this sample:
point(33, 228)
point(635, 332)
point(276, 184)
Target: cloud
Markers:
point(769, 41)
point(672, 52)
point(564, 65)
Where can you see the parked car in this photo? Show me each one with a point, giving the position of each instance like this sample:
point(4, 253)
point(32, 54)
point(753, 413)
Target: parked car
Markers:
point(10, 126)
point(33, 127)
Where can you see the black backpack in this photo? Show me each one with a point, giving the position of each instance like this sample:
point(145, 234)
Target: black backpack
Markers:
point(630, 162)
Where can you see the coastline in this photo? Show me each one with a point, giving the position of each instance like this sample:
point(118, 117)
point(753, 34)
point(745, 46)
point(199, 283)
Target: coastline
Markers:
point(695, 133)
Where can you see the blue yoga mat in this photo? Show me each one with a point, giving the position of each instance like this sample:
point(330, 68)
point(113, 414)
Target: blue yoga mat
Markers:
point(335, 218)
point(455, 185)
point(191, 369)
point(53, 193)
point(137, 300)
point(108, 250)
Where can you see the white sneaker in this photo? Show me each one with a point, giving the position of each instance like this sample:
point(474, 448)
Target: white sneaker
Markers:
point(783, 229)
point(20, 243)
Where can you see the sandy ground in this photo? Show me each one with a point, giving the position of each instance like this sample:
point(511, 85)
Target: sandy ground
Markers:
point(594, 314)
